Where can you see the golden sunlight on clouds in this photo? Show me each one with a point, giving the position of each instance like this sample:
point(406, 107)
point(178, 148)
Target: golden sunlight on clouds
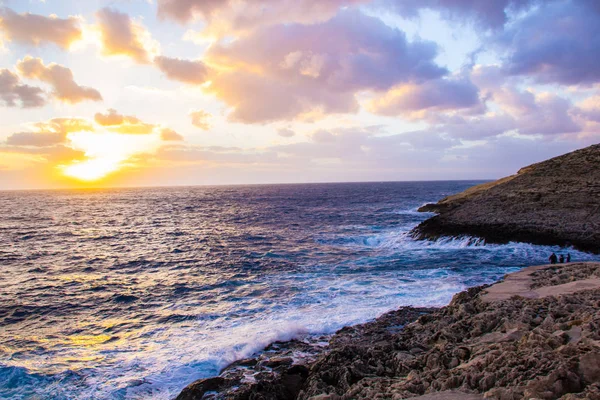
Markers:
point(106, 153)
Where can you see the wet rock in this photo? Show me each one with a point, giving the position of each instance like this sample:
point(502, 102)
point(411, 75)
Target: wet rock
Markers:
point(198, 389)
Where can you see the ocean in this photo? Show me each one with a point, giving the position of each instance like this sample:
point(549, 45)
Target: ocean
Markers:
point(135, 293)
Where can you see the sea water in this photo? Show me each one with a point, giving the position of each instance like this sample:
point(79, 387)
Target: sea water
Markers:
point(134, 293)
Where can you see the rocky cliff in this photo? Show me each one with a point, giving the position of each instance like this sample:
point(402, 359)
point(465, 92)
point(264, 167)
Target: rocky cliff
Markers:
point(535, 335)
point(553, 202)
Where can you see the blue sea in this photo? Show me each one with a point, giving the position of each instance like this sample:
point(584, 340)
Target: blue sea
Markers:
point(134, 293)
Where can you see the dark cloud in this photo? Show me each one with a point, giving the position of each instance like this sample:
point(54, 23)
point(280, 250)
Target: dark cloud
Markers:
point(60, 78)
point(13, 93)
point(32, 29)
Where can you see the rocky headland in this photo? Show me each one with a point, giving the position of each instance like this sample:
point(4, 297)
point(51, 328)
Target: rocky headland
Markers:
point(554, 202)
point(534, 335)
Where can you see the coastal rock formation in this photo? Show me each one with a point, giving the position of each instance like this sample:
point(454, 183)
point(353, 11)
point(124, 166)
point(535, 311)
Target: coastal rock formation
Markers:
point(489, 342)
point(553, 202)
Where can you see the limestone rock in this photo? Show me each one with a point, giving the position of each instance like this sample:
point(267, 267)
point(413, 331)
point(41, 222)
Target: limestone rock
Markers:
point(553, 202)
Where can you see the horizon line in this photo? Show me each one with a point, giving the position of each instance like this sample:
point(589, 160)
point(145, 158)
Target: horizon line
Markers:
point(84, 188)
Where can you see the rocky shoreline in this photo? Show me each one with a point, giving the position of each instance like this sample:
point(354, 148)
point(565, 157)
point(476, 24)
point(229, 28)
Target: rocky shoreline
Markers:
point(555, 202)
point(534, 335)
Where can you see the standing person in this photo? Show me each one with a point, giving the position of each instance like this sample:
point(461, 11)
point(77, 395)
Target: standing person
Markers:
point(568, 257)
point(552, 258)
point(561, 259)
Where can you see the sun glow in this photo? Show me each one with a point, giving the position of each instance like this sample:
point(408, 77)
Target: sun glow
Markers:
point(105, 153)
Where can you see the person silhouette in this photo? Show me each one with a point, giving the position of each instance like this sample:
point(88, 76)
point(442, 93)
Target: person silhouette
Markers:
point(568, 257)
point(552, 258)
point(561, 259)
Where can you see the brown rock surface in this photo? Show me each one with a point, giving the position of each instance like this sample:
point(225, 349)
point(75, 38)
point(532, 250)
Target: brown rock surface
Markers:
point(509, 347)
point(553, 202)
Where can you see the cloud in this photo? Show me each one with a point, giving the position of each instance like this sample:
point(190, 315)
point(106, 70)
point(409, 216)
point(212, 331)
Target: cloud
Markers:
point(410, 100)
point(298, 69)
point(192, 72)
point(49, 133)
point(517, 112)
point(487, 14)
point(36, 30)
point(111, 118)
point(225, 17)
point(286, 133)
point(589, 108)
point(37, 139)
point(125, 124)
point(133, 126)
point(167, 134)
point(60, 78)
point(51, 153)
point(538, 113)
point(123, 37)
point(558, 43)
point(13, 93)
point(323, 136)
point(474, 128)
point(199, 119)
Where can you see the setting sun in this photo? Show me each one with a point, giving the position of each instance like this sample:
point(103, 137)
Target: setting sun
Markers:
point(105, 153)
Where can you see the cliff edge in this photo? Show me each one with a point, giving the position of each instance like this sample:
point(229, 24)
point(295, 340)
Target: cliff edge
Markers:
point(555, 202)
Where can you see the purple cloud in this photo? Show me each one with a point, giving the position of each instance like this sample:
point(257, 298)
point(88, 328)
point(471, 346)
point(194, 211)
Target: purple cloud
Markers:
point(13, 93)
point(434, 95)
point(486, 13)
point(303, 68)
point(558, 43)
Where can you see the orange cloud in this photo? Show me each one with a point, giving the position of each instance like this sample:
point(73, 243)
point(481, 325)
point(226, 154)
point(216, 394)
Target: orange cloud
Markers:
point(122, 36)
point(125, 124)
point(33, 29)
point(169, 135)
point(54, 153)
point(112, 117)
point(60, 78)
point(13, 92)
point(193, 72)
point(50, 133)
point(199, 119)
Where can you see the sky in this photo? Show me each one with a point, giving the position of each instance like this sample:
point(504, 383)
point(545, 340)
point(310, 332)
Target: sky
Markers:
point(103, 93)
